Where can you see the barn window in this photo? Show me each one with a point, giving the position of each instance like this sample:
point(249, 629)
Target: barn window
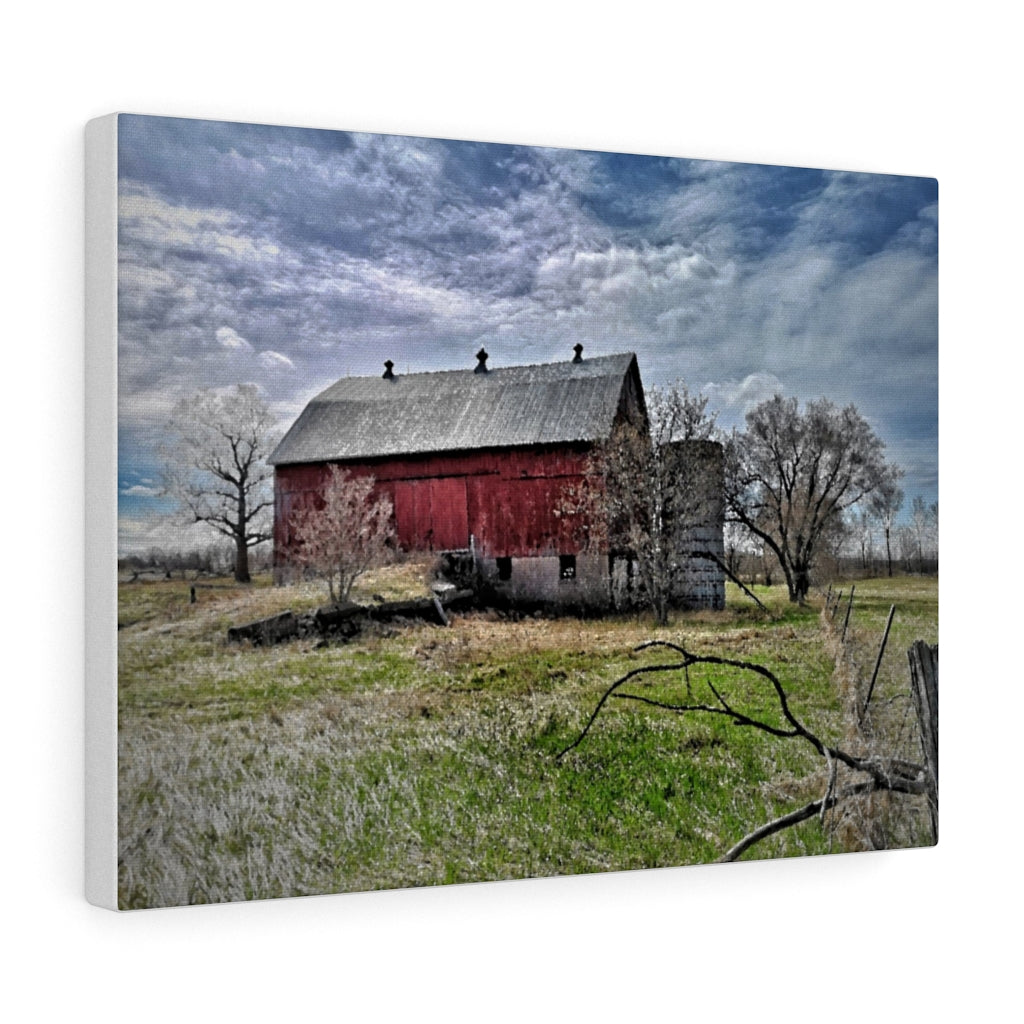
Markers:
point(504, 568)
point(567, 567)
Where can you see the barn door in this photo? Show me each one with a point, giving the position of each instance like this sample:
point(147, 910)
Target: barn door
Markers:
point(412, 514)
point(448, 513)
point(431, 514)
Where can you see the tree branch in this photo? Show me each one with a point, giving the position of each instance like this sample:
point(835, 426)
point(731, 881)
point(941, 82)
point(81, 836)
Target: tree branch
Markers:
point(737, 717)
point(794, 818)
point(611, 689)
point(893, 775)
point(728, 572)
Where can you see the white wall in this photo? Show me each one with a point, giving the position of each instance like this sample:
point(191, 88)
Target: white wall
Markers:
point(872, 86)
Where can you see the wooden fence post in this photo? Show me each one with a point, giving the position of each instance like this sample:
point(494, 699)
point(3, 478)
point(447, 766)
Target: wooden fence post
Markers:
point(924, 686)
point(849, 608)
point(878, 660)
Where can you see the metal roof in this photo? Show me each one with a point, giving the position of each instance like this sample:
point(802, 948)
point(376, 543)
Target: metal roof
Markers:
point(460, 410)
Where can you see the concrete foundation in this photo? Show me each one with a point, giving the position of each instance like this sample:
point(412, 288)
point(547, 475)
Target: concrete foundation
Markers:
point(549, 580)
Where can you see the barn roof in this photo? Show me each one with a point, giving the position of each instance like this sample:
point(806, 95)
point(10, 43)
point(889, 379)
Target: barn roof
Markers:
point(462, 410)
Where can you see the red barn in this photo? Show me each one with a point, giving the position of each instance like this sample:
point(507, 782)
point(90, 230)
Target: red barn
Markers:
point(479, 459)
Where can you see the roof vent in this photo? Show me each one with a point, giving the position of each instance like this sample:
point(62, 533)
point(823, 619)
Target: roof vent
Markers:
point(578, 349)
point(481, 361)
point(389, 370)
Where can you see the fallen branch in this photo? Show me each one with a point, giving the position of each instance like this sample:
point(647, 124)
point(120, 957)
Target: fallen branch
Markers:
point(267, 631)
point(794, 818)
point(611, 689)
point(884, 774)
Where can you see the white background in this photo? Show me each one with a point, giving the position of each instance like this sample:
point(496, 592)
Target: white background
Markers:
point(867, 86)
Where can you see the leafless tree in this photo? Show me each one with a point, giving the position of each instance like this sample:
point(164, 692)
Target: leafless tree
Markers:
point(924, 522)
point(346, 533)
point(863, 529)
point(885, 505)
point(216, 469)
point(652, 493)
point(790, 476)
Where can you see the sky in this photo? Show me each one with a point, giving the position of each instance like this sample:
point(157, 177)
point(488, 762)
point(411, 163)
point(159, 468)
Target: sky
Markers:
point(289, 257)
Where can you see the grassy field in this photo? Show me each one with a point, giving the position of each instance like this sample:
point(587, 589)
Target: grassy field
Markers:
point(418, 755)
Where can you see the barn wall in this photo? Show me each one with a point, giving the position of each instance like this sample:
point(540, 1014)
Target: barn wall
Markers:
point(506, 500)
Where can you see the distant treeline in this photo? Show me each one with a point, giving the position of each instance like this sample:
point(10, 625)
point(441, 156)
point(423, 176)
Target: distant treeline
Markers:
point(753, 569)
point(213, 560)
point(857, 550)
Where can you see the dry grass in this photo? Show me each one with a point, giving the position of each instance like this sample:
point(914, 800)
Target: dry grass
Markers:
point(420, 755)
point(886, 726)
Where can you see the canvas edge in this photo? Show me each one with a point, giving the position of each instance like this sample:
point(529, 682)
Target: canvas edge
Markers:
point(101, 511)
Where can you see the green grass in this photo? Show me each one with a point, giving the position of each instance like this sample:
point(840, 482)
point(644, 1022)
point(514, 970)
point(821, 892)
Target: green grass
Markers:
point(418, 755)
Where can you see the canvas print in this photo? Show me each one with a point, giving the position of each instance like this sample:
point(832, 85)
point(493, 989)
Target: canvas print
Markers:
point(489, 512)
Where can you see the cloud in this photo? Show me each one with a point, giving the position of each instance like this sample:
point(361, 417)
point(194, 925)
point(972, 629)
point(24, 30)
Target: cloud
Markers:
point(275, 361)
point(140, 491)
point(290, 257)
point(228, 337)
point(920, 460)
point(138, 534)
point(736, 398)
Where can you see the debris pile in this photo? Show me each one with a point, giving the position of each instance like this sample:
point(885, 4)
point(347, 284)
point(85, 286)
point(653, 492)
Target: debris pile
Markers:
point(344, 622)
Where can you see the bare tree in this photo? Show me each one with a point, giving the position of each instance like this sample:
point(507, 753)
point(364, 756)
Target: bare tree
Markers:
point(215, 467)
point(924, 522)
point(653, 493)
point(790, 476)
point(862, 525)
point(346, 533)
point(885, 505)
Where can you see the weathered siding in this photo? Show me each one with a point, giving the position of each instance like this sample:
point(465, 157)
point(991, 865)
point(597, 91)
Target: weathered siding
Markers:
point(507, 501)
